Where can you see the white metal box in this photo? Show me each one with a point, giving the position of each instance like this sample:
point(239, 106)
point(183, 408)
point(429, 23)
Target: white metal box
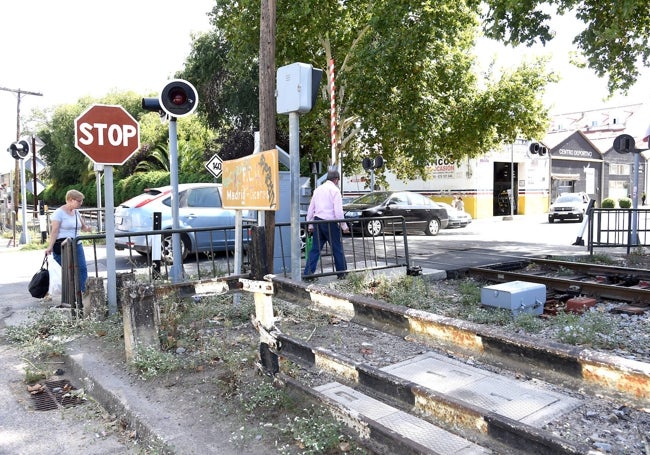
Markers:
point(517, 296)
point(294, 88)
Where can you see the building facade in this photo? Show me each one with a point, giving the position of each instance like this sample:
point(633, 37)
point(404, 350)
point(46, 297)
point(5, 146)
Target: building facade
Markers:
point(515, 181)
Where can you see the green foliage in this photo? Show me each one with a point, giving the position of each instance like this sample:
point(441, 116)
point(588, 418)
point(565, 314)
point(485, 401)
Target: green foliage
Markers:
point(150, 362)
point(616, 48)
point(404, 76)
point(625, 203)
point(608, 203)
point(68, 168)
point(591, 328)
point(314, 430)
point(42, 335)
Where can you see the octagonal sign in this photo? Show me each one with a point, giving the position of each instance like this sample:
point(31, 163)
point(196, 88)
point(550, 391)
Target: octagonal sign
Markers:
point(107, 134)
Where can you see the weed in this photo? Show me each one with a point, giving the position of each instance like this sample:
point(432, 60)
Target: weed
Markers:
point(589, 328)
point(314, 431)
point(267, 396)
point(44, 334)
point(470, 292)
point(529, 322)
point(495, 316)
point(151, 361)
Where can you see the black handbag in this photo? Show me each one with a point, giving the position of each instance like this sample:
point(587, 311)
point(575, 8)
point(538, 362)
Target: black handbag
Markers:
point(40, 283)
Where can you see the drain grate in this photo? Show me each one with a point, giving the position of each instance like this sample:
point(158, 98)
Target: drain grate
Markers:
point(53, 394)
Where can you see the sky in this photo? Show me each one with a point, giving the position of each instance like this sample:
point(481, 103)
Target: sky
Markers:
point(68, 49)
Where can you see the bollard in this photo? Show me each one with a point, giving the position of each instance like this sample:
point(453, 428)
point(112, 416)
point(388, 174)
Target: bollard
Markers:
point(94, 302)
point(264, 322)
point(122, 283)
point(141, 319)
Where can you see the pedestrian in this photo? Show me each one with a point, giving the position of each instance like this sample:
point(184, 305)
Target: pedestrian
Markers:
point(68, 223)
point(460, 205)
point(643, 198)
point(326, 205)
point(454, 202)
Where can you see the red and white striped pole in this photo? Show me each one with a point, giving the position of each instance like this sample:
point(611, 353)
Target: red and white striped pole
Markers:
point(332, 111)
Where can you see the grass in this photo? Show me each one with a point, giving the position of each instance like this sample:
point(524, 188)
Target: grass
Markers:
point(461, 299)
point(211, 335)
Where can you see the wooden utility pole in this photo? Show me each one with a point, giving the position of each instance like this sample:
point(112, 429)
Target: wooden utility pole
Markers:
point(16, 186)
point(267, 105)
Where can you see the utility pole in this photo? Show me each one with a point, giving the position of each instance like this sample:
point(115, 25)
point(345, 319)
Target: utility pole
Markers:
point(267, 106)
point(16, 185)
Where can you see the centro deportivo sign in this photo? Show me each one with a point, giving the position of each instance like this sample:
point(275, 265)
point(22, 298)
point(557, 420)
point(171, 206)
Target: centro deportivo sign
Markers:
point(576, 153)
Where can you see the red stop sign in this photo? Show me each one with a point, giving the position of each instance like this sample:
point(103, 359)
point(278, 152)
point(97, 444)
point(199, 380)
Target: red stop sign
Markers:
point(106, 134)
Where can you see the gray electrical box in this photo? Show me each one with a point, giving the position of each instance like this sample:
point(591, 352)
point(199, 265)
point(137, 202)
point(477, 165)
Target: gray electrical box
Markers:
point(517, 296)
point(297, 87)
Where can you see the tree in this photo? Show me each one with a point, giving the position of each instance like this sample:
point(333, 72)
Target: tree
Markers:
point(67, 166)
point(615, 40)
point(405, 81)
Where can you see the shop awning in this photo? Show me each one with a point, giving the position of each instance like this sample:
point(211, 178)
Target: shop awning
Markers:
point(565, 176)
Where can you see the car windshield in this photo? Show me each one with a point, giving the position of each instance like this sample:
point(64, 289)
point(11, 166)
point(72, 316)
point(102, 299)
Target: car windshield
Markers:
point(372, 198)
point(570, 199)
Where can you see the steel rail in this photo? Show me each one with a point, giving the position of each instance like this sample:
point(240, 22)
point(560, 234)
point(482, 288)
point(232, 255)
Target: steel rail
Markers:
point(602, 290)
point(594, 269)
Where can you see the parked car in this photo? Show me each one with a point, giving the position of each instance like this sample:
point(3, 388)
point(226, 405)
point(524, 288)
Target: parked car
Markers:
point(419, 212)
point(199, 207)
point(569, 206)
point(457, 218)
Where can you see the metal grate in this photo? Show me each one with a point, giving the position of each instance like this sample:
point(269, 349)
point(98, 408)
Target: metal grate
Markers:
point(54, 394)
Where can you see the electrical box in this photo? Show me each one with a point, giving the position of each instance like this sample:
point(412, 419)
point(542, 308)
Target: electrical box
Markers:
point(297, 86)
point(517, 296)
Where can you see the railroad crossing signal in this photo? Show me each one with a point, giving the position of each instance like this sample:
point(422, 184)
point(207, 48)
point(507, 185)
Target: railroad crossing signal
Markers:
point(214, 166)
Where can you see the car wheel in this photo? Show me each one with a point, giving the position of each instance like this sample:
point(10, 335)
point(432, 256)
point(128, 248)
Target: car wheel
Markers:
point(167, 254)
point(433, 227)
point(373, 228)
point(551, 220)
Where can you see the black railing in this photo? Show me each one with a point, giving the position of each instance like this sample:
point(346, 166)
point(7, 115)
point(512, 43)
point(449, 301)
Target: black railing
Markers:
point(618, 228)
point(362, 251)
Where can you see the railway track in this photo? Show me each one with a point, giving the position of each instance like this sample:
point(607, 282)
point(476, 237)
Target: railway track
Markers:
point(413, 382)
point(574, 278)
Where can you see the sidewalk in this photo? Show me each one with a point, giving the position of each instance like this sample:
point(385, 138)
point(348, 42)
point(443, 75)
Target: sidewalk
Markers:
point(78, 430)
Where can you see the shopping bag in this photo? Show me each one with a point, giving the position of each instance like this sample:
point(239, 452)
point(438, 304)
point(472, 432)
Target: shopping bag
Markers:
point(309, 241)
point(40, 282)
point(55, 278)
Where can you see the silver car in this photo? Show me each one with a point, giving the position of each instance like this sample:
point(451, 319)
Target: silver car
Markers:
point(199, 207)
point(569, 206)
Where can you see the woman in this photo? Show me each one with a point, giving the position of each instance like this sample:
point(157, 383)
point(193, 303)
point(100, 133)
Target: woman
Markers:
point(68, 223)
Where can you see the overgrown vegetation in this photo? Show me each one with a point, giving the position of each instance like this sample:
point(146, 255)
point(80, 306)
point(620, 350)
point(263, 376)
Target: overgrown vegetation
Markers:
point(461, 299)
point(210, 336)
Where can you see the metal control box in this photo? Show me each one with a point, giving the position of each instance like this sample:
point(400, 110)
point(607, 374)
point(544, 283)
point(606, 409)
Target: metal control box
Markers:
point(517, 296)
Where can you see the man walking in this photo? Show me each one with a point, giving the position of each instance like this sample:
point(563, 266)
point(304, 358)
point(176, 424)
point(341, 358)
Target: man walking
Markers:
point(326, 205)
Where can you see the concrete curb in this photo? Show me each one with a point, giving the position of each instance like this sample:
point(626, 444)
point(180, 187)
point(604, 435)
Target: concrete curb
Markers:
point(154, 417)
point(583, 367)
point(116, 396)
point(486, 427)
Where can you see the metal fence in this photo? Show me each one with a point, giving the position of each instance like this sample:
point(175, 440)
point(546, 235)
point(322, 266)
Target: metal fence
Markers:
point(618, 228)
point(362, 252)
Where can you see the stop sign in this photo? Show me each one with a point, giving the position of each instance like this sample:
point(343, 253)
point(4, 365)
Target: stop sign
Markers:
point(106, 134)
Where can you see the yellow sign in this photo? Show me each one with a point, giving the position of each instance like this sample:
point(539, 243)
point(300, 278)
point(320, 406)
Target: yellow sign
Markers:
point(252, 182)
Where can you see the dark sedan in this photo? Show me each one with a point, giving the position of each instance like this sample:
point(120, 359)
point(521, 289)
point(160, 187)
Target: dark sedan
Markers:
point(419, 212)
